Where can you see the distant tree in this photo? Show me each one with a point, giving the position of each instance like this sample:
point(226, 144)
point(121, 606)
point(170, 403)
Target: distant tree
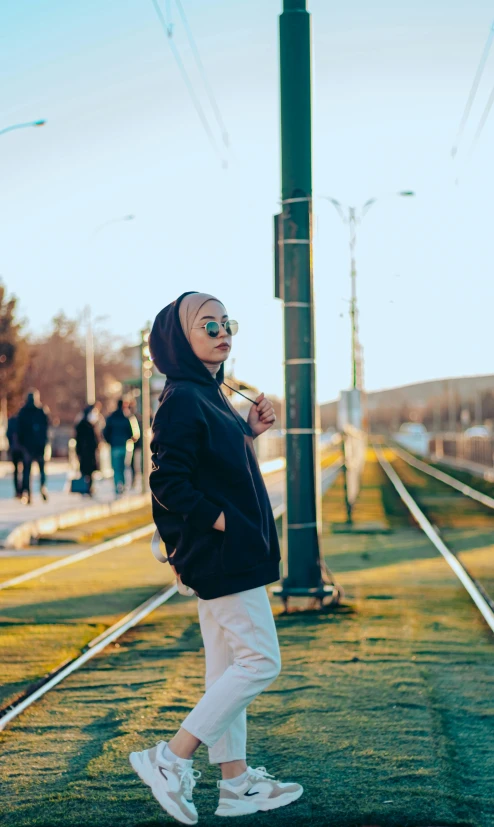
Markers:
point(14, 353)
point(58, 368)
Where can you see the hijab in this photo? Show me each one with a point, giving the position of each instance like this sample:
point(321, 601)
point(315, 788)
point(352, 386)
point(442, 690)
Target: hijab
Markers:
point(189, 310)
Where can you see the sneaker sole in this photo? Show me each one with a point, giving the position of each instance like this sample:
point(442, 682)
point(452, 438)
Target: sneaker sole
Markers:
point(244, 808)
point(236, 808)
point(279, 801)
point(160, 795)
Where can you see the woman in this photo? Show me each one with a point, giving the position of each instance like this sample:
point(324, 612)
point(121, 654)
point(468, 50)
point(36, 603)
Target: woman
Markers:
point(86, 446)
point(212, 511)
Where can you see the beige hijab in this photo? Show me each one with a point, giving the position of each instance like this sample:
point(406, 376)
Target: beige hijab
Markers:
point(189, 310)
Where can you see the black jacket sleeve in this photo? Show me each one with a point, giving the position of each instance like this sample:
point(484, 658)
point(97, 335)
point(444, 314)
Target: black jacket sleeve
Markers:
point(175, 451)
point(107, 435)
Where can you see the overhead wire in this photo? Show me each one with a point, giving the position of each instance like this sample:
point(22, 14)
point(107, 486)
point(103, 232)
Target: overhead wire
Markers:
point(485, 115)
point(473, 92)
point(202, 72)
point(168, 29)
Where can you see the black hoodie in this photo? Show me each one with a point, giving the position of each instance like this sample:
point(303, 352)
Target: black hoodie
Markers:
point(204, 463)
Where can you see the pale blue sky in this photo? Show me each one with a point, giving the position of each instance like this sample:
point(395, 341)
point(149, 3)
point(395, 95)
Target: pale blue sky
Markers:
point(390, 83)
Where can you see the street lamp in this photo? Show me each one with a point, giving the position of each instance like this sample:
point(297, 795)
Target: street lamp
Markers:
point(113, 221)
point(21, 126)
point(90, 370)
point(353, 216)
point(3, 358)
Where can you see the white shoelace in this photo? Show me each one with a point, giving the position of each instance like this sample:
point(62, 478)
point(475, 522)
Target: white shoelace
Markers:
point(261, 773)
point(188, 778)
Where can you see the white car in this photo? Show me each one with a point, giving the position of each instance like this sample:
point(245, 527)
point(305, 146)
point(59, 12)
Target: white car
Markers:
point(476, 430)
point(413, 436)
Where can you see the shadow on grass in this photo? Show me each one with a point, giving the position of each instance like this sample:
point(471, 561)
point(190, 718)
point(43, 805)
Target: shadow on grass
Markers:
point(405, 547)
point(82, 607)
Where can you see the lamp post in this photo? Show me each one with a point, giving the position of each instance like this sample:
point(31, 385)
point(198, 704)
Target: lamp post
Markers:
point(3, 131)
point(21, 126)
point(90, 371)
point(353, 216)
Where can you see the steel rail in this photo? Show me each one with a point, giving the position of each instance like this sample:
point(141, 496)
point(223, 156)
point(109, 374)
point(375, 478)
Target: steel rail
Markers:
point(428, 529)
point(122, 540)
point(101, 641)
point(467, 490)
point(90, 650)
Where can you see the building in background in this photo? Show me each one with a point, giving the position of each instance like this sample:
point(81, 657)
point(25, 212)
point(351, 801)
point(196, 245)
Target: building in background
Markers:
point(452, 404)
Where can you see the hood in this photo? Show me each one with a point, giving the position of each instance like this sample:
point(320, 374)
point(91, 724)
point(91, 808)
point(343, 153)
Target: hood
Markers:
point(171, 352)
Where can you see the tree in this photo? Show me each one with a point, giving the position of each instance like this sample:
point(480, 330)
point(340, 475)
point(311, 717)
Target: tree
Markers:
point(14, 353)
point(58, 369)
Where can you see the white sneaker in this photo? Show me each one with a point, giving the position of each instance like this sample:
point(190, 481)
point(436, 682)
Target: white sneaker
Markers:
point(259, 791)
point(171, 783)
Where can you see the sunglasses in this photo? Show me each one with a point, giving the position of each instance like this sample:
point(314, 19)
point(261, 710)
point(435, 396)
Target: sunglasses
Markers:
point(213, 328)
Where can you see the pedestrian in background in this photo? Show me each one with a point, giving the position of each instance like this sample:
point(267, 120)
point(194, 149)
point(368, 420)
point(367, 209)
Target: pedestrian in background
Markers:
point(118, 431)
point(15, 455)
point(86, 446)
point(32, 434)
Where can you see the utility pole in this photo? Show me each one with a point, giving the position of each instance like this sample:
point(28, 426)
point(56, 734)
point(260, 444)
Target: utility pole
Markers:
point(146, 373)
point(293, 277)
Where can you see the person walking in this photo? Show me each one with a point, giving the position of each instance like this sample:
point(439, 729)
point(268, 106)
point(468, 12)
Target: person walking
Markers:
point(117, 432)
point(15, 454)
point(86, 446)
point(212, 511)
point(32, 433)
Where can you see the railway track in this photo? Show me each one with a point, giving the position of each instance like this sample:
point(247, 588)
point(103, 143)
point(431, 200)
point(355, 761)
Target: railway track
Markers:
point(429, 512)
point(41, 687)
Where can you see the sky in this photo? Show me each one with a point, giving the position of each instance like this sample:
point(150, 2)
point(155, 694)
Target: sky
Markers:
point(390, 81)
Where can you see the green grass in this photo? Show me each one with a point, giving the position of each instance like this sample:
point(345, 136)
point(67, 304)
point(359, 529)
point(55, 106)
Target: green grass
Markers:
point(383, 709)
point(47, 620)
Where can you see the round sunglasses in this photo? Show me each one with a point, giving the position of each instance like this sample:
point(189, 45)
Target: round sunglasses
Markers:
point(213, 328)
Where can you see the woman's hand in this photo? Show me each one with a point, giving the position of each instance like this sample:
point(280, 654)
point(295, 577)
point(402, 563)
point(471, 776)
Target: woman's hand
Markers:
point(262, 416)
point(220, 522)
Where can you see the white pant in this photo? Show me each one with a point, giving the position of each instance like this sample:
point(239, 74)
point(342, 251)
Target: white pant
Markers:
point(242, 659)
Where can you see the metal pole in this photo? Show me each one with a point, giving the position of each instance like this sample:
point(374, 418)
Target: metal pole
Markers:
point(353, 301)
point(301, 535)
point(90, 372)
point(146, 373)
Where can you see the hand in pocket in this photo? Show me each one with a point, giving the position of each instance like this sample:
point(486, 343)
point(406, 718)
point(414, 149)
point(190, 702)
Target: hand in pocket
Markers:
point(220, 522)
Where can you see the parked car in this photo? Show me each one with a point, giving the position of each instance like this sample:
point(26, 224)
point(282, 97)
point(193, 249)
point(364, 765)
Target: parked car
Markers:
point(476, 431)
point(414, 437)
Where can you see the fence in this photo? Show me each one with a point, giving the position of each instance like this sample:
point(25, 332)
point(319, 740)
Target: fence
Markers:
point(460, 447)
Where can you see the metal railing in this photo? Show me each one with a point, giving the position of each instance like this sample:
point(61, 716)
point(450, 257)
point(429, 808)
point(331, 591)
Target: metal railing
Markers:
point(474, 449)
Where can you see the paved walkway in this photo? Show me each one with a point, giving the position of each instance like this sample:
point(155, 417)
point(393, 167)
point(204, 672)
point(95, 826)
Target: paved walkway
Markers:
point(41, 516)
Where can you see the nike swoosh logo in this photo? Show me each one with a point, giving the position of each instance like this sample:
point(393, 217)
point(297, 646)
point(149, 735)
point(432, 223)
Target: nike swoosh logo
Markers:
point(249, 793)
point(163, 773)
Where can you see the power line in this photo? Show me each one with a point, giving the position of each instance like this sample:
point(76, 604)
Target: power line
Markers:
point(202, 71)
point(169, 17)
point(473, 91)
point(190, 88)
point(485, 115)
